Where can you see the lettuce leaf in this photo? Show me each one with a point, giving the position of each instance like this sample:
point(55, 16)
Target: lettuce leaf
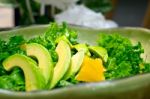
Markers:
point(124, 57)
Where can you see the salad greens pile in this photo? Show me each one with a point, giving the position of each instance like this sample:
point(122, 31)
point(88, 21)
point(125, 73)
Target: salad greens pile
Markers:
point(54, 32)
point(124, 58)
point(14, 80)
point(11, 80)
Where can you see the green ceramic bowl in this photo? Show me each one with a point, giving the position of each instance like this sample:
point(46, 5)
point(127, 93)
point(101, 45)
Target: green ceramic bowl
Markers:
point(136, 87)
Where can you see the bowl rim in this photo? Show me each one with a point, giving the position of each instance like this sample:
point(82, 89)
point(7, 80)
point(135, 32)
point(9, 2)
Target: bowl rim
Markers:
point(94, 88)
point(146, 30)
point(87, 86)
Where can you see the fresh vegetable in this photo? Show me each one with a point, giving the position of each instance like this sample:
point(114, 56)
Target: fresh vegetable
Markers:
point(33, 78)
point(100, 52)
point(56, 59)
point(64, 38)
point(64, 54)
point(92, 70)
point(75, 65)
point(84, 47)
point(55, 31)
point(13, 80)
point(43, 57)
point(124, 58)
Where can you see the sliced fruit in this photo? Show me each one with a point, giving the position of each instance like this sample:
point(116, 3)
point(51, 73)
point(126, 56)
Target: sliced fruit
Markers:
point(75, 65)
point(64, 58)
point(92, 70)
point(100, 51)
point(64, 38)
point(84, 47)
point(43, 56)
point(34, 80)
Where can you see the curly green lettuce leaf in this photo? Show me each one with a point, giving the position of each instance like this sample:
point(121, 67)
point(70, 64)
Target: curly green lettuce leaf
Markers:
point(14, 43)
point(64, 83)
point(14, 81)
point(124, 58)
point(11, 80)
point(54, 32)
point(145, 68)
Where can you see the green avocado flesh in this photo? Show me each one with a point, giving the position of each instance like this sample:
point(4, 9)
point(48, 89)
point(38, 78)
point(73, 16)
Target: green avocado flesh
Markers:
point(99, 51)
point(75, 65)
point(84, 47)
point(64, 58)
point(64, 38)
point(43, 56)
point(34, 80)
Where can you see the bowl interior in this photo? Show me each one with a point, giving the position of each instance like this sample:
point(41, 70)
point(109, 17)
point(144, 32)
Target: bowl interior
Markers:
point(90, 36)
point(136, 87)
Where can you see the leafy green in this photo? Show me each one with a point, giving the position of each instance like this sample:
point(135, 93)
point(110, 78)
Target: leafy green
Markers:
point(64, 83)
point(71, 81)
point(145, 68)
point(14, 43)
point(2, 70)
point(54, 32)
point(9, 48)
point(14, 81)
point(124, 58)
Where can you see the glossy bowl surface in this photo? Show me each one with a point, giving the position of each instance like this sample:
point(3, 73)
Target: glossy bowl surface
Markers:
point(136, 87)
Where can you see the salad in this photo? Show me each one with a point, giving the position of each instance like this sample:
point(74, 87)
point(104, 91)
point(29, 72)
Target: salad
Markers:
point(56, 59)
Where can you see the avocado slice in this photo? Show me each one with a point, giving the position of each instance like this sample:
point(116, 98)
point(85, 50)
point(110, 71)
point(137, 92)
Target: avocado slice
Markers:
point(64, 38)
point(64, 58)
point(75, 65)
point(84, 47)
point(34, 80)
point(100, 51)
point(44, 59)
